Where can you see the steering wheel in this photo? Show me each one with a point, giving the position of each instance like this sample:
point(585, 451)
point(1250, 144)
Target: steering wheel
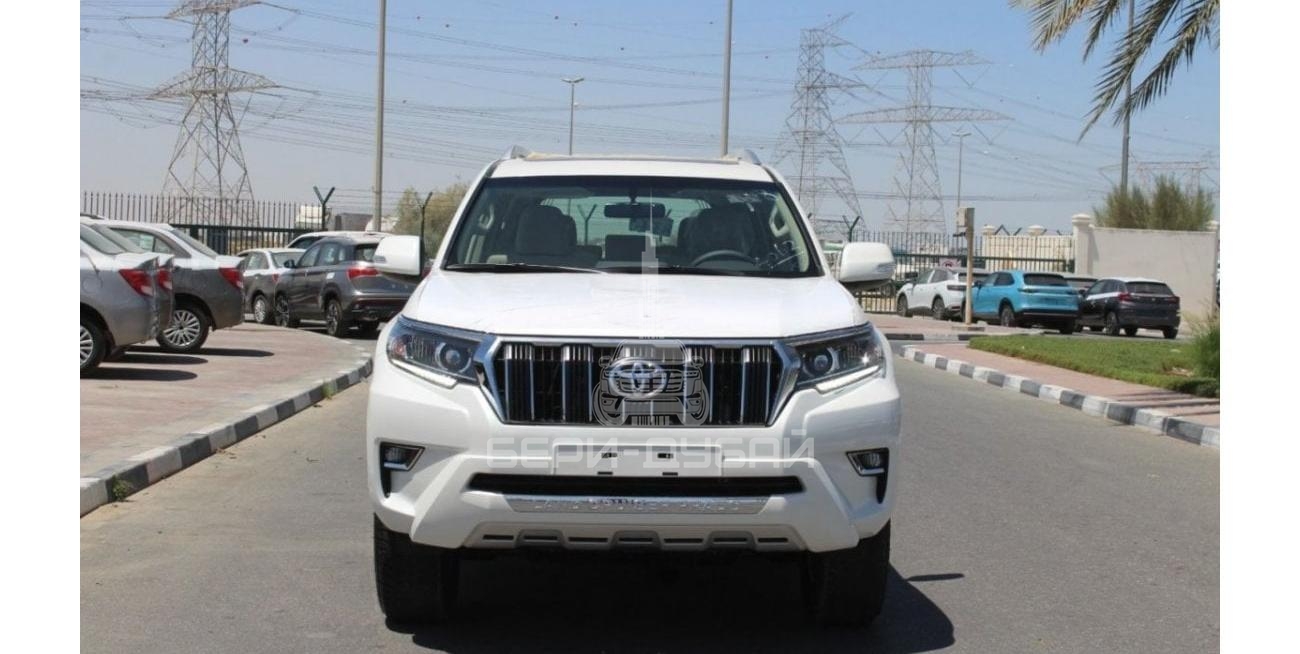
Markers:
point(718, 254)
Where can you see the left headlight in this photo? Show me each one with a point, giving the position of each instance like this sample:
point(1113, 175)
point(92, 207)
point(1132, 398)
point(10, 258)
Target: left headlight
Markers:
point(441, 355)
point(838, 360)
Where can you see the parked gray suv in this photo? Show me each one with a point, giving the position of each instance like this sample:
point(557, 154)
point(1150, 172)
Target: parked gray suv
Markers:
point(262, 269)
point(209, 290)
point(335, 281)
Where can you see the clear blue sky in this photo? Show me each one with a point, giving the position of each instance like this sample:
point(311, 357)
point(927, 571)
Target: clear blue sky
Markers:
point(466, 80)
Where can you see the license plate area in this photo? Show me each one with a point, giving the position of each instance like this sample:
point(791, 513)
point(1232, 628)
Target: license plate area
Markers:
point(639, 460)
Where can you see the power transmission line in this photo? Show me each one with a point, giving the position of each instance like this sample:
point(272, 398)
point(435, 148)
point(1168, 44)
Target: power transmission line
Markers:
point(917, 179)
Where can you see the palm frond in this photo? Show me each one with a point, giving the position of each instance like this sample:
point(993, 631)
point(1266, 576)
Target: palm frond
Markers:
point(1125, 59)
point(1052, 19)
point(1101, 16)
point(1199, 23)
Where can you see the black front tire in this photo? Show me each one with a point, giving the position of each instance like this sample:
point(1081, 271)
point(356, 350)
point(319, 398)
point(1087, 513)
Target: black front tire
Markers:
point(937, 310)
point(847, 587)
point(1067, 327)
point(1130, 331)
point(416, 583)
point(1170, 332)
point(901, 308)
point(93, 345)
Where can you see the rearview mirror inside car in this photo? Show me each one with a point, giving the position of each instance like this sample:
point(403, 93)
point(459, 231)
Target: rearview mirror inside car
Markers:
point(642, 210)
point(399, 255)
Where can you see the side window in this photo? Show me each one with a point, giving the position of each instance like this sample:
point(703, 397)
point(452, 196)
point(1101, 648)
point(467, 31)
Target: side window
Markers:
point(330, 254)
point(923, 277)
point(941, 276)
point(1096, 288)
point(144, 240)
point(308, 258)
point(1004, 279)
point(1112, 286)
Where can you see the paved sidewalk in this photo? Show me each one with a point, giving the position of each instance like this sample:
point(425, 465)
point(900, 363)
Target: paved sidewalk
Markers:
point(151, 398)
point(898, 328)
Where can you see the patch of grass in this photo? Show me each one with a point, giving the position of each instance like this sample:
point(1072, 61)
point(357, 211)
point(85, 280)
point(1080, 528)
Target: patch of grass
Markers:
point(1162, 364)
point(121, 489)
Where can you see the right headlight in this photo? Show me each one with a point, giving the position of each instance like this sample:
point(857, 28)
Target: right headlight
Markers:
point(840, 359)
point(441, 355)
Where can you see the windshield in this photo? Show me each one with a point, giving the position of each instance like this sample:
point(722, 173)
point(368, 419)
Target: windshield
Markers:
point(631, 225)
point(281, 257)
point(194, 243)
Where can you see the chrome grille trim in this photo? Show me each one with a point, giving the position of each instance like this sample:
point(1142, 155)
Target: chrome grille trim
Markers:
point(750, 365)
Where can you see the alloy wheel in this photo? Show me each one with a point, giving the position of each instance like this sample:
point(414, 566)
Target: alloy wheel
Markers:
point(332, 318)
point(281, 311)
point(936, 309)
point(87, 345)
point(185, 328)
point(260, 309)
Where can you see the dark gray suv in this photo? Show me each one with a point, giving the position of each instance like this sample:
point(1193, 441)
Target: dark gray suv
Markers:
point(335, 281)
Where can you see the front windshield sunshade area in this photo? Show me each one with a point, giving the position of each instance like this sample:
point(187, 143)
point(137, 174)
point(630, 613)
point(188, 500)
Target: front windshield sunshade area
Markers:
point(621, 224)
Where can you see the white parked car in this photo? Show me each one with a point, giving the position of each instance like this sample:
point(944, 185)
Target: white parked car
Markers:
point(940, 292)
point(632, 354)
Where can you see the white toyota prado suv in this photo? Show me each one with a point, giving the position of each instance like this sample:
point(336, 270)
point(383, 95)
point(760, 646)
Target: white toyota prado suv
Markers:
point(632, 353)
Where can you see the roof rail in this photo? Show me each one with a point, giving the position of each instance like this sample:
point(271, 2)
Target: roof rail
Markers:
point(517, 152)
point(746, 155)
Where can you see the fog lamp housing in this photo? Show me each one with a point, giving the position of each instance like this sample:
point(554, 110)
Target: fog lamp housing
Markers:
point(875, 464)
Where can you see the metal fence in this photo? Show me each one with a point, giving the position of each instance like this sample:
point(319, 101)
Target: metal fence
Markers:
point(191, 211)
point(232, 240)
point(914, 252)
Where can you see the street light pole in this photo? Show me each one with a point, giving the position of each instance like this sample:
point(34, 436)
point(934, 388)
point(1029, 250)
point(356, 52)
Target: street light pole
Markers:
point(969, 219)
point(1128, 94)
point(573, 85)
point(726, 83)
point(379, 121)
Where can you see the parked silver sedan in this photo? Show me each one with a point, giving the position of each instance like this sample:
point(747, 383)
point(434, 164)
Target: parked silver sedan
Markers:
point(209, 288)
point(262, 269)
point(119, 298)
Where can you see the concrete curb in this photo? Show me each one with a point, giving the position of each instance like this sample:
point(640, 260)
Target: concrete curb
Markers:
point(955, 337)
point(117, 481)
point(1151, 420)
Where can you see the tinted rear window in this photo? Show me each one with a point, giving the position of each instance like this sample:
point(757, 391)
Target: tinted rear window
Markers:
point(96, 240)
point(1045, 280)
point(1149, 288)
point(366, 252)
point(195, 243)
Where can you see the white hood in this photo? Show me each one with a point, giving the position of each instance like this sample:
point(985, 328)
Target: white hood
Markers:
point(631, 305)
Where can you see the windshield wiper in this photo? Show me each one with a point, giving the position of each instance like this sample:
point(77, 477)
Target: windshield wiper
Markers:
point(519, 266)
point(675, 270)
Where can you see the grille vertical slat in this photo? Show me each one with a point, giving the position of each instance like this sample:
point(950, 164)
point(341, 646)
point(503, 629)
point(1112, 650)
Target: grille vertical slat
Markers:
point(558, 383)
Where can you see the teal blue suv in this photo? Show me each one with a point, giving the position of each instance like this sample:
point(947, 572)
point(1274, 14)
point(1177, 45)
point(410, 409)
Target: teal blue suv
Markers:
point(1015, 298)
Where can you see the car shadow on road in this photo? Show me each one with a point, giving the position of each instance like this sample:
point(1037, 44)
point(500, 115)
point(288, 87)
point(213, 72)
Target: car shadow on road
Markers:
point(215, 351)
point(610, 604)
point(161, 359)
point(140, 374)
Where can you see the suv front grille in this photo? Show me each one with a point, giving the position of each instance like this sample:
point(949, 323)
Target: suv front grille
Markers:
point(637, 384)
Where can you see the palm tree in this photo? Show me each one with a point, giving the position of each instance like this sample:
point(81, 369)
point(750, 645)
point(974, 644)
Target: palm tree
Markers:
point(1193, 22)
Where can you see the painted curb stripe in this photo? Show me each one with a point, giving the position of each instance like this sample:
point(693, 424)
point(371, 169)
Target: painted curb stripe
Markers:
point(1102, 407)
point(119, 480)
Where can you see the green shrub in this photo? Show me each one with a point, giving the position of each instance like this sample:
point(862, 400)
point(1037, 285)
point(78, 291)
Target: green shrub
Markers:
point(1205, 349)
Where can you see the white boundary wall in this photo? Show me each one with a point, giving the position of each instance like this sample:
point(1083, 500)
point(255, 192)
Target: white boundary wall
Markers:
point(1184, 260)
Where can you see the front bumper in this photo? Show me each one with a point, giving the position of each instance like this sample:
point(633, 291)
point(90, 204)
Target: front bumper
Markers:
point(462, 437)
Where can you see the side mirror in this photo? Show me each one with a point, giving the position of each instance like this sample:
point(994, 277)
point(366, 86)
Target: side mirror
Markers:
point(399, 255)
point(866, 262)
point(291, 263)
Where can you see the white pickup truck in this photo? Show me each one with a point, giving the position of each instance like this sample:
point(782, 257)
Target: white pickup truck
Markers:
point(632, 353)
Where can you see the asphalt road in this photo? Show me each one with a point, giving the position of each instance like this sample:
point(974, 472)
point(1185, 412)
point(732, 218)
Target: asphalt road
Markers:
point(1021, 527)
